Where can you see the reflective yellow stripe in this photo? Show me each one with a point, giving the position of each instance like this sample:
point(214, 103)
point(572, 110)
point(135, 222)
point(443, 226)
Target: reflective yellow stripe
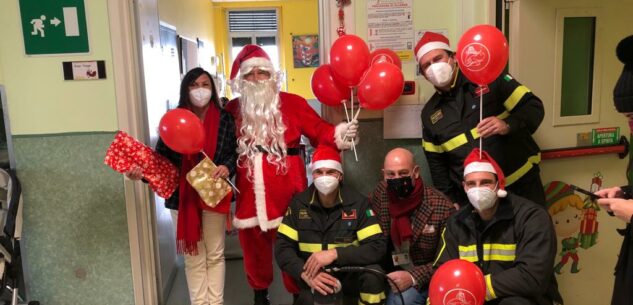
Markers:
point(492, 252)
point(332, 246)
point(430, 147)
point(499, 257)
point(371, 298)
point(455, 142)
point(471, 259)
point(503, 115)
point(532, 160)
point(458, 140)
point(308, 247)
point(288, 231)
point(515, 97)
point(467, 248)
point(501, 246)
point(368, 231)
point(443, 247)
point(490, 292)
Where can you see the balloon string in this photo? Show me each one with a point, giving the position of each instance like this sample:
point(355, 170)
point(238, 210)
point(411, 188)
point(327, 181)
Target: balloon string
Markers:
point(352, 113)
point(481, 114)
point(346, 116)
point(345, 108)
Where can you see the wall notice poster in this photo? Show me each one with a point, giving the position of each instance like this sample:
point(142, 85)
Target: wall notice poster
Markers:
point(390, 25)
point(305, 51)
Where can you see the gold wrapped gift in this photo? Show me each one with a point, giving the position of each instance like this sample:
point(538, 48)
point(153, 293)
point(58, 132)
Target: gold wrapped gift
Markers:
point(211, 190)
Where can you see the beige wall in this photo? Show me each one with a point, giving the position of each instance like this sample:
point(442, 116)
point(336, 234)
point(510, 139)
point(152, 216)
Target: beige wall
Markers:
point(40, 100)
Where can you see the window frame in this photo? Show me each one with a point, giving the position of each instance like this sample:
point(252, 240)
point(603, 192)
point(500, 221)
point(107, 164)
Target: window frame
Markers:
point(594, 116)
point(254, 34)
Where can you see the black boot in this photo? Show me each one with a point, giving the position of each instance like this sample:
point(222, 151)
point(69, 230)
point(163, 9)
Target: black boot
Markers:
point(261, 297)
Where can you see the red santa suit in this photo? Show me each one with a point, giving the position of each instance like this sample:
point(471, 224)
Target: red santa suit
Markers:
point(264, 200)
point(265, 195)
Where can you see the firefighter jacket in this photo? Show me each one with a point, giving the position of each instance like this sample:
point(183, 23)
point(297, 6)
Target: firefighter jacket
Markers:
point(350, 226)
point(449, 133)
point(515, 250)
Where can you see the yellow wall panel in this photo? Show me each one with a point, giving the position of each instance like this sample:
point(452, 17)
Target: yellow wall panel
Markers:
point(296, 17)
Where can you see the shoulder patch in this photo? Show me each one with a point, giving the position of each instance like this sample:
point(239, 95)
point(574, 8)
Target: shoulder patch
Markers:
point(436, 116)
point(303, 214)
point(370, 213)
point(507, 77)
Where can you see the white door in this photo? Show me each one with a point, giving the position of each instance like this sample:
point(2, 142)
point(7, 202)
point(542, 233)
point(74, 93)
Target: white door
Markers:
point(536, 60)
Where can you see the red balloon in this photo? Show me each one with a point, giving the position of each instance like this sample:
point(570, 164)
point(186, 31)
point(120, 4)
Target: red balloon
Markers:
point(457, 280)
point(182, 131)
point(482, 53)
point(381, 86)
point(349, 58)
point(326, 90)
point(387, 55)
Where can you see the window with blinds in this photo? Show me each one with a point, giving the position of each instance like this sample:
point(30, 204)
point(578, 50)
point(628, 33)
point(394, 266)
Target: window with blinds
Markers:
point(258, 27)
point(253, 21)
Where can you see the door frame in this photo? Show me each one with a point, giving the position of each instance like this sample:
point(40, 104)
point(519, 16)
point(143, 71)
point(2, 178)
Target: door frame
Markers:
point(126, 62)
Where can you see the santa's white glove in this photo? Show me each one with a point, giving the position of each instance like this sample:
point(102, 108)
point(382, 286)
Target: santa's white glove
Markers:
point(345, 133)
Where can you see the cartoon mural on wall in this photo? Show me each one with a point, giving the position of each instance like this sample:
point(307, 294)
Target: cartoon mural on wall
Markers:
point(575, 220)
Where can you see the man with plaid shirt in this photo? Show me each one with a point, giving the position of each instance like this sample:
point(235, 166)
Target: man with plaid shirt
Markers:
point(413, 215)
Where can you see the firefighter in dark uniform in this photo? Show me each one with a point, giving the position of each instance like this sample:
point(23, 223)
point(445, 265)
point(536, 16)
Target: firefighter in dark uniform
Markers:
point(326, 227)
point(511, 239)
point(451, 127)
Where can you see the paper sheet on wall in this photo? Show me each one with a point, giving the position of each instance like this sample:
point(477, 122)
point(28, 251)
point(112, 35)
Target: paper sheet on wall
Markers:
point(390, 25)
point(402, 122)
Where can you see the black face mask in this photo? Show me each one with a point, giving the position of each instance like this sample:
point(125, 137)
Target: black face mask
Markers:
point(401, 187)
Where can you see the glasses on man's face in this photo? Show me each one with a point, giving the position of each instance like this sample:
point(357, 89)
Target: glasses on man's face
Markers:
point(489, 183)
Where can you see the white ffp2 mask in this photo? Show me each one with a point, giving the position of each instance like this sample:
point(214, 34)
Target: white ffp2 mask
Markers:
point(439, 74)
point(326, 184)
point(482, 198)
point(200, 96)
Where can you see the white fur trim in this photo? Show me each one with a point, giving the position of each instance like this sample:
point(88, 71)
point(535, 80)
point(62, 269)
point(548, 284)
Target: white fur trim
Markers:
point(260, 192)
point(339, 133)
point(260, 62)
point(253, 222)
point(431, 46)
point(502, 193)
point(479, 167)
point(326, 163)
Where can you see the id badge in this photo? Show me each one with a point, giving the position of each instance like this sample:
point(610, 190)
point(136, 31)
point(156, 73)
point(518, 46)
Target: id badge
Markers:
point(400, 259)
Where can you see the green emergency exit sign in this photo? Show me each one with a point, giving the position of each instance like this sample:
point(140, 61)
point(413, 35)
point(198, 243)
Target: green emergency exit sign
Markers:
point(54, 26)
point(605, 136)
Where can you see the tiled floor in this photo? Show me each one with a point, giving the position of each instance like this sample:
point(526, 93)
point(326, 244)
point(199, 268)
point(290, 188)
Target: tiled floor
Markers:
point(236, 289)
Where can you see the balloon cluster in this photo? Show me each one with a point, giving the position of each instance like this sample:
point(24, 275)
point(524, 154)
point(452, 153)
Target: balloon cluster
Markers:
point(377, 75)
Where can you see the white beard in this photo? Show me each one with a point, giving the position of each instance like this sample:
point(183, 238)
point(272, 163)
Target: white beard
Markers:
point(262, 124)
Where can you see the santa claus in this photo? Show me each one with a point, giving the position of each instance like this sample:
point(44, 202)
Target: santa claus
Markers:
point(269, 125)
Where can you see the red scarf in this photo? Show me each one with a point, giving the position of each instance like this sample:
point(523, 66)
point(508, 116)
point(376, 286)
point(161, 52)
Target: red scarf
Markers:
point(189, 213)
point(400, 209)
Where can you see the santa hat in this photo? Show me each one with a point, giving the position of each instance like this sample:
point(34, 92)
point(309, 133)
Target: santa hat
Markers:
point(623, 91)
point(431, 41)
point(250, 57)
point(326, 156)
point(485, 163)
